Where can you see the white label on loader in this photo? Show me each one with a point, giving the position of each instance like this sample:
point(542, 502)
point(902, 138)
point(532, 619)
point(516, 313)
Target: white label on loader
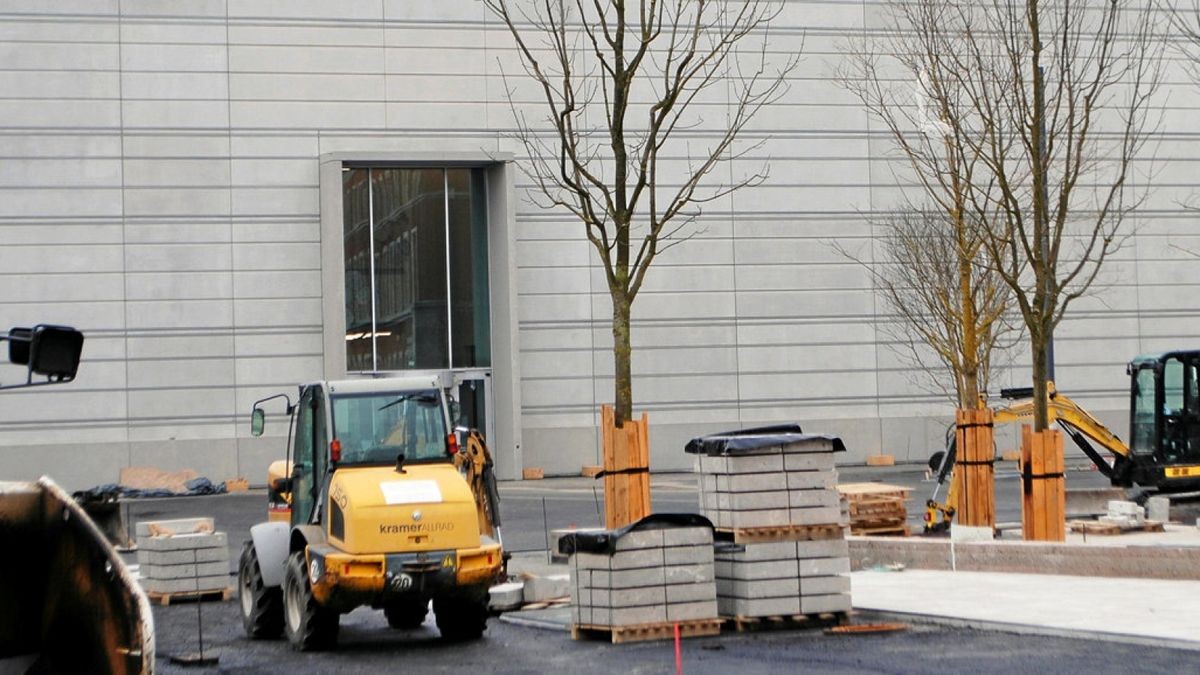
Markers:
point(411, 492)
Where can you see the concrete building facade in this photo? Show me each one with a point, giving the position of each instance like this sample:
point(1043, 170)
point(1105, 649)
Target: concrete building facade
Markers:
point(190, 184)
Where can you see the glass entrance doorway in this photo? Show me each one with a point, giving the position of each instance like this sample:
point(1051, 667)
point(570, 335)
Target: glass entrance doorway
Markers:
point(415, 254)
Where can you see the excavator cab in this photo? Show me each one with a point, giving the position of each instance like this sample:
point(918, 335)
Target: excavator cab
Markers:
point(1165, 418)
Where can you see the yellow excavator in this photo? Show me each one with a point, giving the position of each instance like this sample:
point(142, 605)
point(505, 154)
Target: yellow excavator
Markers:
point(380, 504)
point(1164, 422)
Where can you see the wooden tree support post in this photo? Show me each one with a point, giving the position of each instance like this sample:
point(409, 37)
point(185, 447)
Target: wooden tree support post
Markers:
point(1043, 494)
point(976, 476)
point(626, 469)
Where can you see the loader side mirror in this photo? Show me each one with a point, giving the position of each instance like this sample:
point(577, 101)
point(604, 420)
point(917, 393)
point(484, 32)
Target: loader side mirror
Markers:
point(47, 350)
point(258, 421)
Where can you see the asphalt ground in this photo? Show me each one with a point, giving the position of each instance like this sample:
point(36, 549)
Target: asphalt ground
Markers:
point(529, 509)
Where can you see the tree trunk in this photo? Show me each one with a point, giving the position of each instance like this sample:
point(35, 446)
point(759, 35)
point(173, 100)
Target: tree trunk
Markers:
point(1041, 417)
point(622, 350)
point(969, 397)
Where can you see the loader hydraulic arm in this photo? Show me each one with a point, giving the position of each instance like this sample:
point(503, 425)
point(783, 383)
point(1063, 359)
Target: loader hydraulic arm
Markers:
point(1083, 428)
point(476, 463)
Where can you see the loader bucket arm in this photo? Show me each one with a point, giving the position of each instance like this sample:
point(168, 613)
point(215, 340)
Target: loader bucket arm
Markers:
point(476, 462)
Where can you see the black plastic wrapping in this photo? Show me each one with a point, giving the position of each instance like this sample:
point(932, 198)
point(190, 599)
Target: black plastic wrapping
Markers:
point(748, 441)
point(606, 541)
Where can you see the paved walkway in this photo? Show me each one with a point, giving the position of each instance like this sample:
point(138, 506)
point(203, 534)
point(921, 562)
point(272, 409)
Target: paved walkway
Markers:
point(1148, 611)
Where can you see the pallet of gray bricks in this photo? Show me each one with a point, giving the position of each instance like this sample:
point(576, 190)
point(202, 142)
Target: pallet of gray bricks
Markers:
point(182, 557)
point(652, 574)
point(771, 477)
point(772, 495)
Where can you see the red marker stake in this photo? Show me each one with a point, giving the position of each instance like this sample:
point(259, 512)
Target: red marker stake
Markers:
point(678, 654)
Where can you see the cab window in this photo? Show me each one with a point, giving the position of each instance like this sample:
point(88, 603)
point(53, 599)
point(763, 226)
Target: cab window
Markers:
point(376, 428)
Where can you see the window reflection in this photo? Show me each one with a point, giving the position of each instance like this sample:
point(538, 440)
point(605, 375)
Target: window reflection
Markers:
point(400, 312)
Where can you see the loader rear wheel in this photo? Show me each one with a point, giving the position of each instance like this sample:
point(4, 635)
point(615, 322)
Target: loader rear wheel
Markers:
point(262, 607)
point(308, 625)
point(406, 615)
point(461, 618)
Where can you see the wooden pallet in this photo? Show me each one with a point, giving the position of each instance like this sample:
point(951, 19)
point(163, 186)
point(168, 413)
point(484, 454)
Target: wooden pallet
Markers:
point(743, 624)
point(647, 631)
point(1097, 527)
point(759, 535)
point(888, 530)
point(164, 599)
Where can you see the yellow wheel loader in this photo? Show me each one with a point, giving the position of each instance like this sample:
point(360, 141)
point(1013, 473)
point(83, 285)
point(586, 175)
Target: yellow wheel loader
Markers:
point(377, 505)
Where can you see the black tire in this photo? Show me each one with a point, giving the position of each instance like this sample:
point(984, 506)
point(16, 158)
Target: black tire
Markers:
point(461, 618)
point(262, 607)
point(308, 625)
point(406, 615)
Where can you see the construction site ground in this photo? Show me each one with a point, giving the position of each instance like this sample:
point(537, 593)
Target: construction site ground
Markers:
point(965, 620)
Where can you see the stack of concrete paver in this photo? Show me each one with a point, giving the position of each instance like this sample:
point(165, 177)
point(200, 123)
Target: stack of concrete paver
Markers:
point(1124, 514)
point(648, 577)
point(181, 557)
point(772, 494)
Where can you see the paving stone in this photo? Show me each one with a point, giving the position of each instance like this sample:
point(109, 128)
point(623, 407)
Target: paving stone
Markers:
point(681, 536)
point(760, 463)
point(543, 588)
point(689, 574)
point(815, 604)
point(758, 589)
point(148, 557)
point(809, 445)
point(751, 482)
point(510, 595)
point(763, 518)
point(746, 501)
point(183, 542)
point(212, 583)
point(681, 593)
point(632, 616)
point(770, 569)
point(729, 606)
point(823, 548)
point(775, 550)
point(630, 597)
point(693, 554)
point(809, 480)
point(823, 567)
point(824, 585)
point(646, 576)
point(816, 461)
point(640, 539)
point(693, 611)
point(818, 515)
point(188, 571)
point(171, 527)
point(808, 498)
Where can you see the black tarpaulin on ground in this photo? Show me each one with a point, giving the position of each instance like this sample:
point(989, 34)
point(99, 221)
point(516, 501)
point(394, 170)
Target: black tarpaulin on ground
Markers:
point(195, 487)
point(748, 441)
point(606, 541)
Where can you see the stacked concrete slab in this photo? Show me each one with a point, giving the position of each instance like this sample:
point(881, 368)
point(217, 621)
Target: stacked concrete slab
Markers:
point(774, 491)
point(178, 557)
point(658, 574)
point(783, 578)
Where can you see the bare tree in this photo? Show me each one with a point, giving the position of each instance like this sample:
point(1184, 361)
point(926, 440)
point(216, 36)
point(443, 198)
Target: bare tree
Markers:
point(949, 312)
point(930, 264)
point(619, 85)
point(1054, 103)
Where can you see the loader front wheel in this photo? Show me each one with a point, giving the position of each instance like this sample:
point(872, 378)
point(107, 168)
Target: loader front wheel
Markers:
point(262, 607)
point(308, 625)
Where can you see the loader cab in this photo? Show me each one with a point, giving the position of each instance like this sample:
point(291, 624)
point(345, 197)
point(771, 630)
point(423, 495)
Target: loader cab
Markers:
point(1165, 408)
point(361, 423)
